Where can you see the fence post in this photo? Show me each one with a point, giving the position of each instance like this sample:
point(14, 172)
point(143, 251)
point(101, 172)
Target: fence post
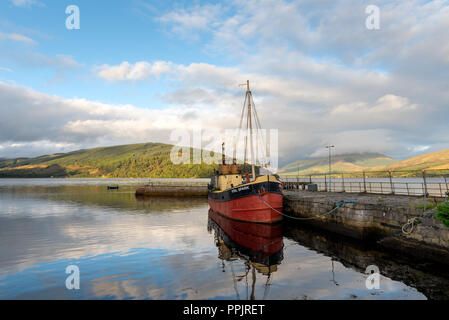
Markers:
point(310, 178)
point(325, 183)
point(408, 192)
point(343, 181)
point(391, 182)
point(445, 181)
point(426, 194)
point(364, 181)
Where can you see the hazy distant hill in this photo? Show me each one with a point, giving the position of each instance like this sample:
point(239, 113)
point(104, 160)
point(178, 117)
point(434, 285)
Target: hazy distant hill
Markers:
point(430, 161)
point(340, 163)
point(126, 161)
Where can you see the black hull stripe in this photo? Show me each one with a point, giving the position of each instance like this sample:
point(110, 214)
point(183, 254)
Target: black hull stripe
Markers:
point(245, 191)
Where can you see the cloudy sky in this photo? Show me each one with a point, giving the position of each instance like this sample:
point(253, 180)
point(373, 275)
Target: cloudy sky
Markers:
point(137, 69)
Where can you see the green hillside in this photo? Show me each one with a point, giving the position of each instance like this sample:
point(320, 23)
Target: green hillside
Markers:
point(152, 160)
point(144, 160)
point(430, 161)
point(340, 163)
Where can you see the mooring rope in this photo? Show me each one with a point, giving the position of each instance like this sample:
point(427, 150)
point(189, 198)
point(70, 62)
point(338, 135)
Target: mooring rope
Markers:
point(403, 230)
point(410, 222)
point(308, 218)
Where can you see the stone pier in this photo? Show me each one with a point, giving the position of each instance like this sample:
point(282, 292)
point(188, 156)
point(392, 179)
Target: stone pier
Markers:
point(174, 188)
point(374, 218)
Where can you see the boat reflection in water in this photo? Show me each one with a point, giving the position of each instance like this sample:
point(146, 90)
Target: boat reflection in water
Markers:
point(260, 246)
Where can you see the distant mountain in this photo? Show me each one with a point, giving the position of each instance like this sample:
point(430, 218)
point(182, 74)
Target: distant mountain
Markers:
point(340, 163)
point(430, 161)
point(150, 160)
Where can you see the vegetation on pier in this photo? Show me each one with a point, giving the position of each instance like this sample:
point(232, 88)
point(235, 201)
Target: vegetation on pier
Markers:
point(442, 213)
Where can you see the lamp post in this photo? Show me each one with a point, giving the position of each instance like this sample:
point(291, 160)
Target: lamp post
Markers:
point(330, 172)
point(297, 178)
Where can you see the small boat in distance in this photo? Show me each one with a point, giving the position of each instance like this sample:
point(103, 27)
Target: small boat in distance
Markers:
point(253, 199)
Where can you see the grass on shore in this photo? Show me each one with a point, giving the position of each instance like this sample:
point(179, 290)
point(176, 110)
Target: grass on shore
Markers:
point(442, 213)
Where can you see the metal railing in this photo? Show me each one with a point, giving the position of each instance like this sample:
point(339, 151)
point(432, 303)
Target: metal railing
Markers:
point(432, 183)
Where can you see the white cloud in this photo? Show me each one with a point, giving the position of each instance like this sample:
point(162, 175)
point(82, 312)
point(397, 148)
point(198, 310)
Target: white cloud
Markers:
point(17, 37)
point(318, 75)
point(26, 3)
point(306, 114)
point(35, 148)
point(131, 72)
point(387, 110)
point(31, 118)
point(37, 60)
point(5, 69)
point(186, 22)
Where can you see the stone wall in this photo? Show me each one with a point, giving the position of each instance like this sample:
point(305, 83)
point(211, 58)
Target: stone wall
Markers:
point(374, 218)
point(172, 191)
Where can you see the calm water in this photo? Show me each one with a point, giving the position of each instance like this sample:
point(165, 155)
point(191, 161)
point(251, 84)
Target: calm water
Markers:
point(128, 248)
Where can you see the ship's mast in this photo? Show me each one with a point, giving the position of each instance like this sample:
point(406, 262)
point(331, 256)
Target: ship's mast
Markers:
point(253, 169)
point(223, 157)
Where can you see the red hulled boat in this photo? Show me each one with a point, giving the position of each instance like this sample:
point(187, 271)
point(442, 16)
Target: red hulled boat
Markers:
point(252, 199)
point(260, 244)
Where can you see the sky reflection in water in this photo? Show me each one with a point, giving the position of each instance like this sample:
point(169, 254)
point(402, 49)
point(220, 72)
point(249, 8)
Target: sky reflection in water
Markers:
point(128, 248)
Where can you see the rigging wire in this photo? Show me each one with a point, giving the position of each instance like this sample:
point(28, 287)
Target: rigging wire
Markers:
point(258, 127)
point(260, 139)
point(240, 126)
